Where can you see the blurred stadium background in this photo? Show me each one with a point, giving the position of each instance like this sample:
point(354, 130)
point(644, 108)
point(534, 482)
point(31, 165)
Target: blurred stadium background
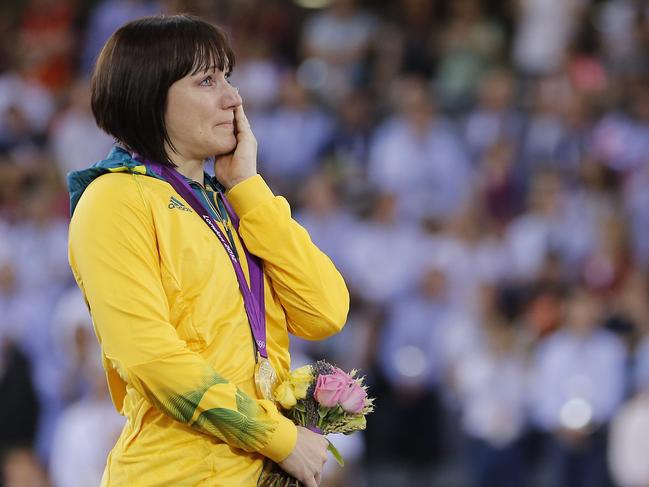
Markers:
point(478, 170)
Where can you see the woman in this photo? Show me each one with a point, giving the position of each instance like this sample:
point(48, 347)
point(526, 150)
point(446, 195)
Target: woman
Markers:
point(192, 325)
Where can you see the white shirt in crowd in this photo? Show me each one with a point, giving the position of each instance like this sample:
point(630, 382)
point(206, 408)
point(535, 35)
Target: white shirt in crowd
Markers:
point(409, 351)
point(544, 30)
point(429, 173)
point(383, 261)
point(492, 392)
point(468, 265)
point(84, 435)
point(629, 443)
point(577, 375)
point(77, 142)
point(290, 140)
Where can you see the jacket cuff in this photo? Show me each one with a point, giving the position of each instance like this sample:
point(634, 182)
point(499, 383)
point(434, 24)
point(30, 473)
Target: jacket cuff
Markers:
point(248, 194)
point(282, 442)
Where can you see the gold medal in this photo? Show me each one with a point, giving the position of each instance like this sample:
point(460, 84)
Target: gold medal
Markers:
point(265, 378)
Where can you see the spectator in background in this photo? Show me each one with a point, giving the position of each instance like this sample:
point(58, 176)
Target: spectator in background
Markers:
point(545, 125)
point(469, 44)
point(387, 243)
point(258, 75)
point(623, 36)
point(47, 41)
point(572, 152)
point(73, 343)
point(291, 136)
point(629, 438)
point(74, 137)
point(325, 218)
point(499, 188)
point(19, 467)
point(621, 137)
point(555, 223)
point(629, 443)
point(636, 204)
point(276, 23)
point(331, 226)
point(105, 17)
point(19, 409)
point(609, 263)
point(335, 45)
point(346, 153)
point(403, 453)
point(491, 384)
point(76, 462)
point(26, 108)
point(577, 385)
point(633, 303)
point(544, 30)
point(405, 42)
point(418, 156)
point(494, 117)
point(543, 311)
point(471, 255)
point(39, 242)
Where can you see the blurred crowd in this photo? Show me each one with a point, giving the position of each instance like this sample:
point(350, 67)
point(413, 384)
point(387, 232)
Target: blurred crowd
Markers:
point(477, 169)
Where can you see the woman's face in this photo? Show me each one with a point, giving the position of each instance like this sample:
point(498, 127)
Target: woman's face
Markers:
point(200, 115)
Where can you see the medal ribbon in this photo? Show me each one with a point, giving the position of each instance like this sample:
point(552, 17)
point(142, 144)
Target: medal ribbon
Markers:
point(253, 296)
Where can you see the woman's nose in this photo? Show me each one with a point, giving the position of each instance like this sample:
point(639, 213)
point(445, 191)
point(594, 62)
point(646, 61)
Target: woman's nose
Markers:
point(231, 97)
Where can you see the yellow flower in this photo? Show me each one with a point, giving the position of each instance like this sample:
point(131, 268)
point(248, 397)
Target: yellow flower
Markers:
point(285, 396)
point(301, 389)
point(301, 379)
point(303, 374)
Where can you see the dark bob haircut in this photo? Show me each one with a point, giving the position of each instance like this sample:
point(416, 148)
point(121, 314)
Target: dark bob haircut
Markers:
point(135, 69)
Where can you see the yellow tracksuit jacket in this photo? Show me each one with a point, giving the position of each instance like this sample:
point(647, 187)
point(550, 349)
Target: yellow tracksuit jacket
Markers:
point(168, 313)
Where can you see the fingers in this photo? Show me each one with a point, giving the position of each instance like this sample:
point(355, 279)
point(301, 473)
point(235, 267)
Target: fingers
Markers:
point(242, 121)
point(243, 131)
point(308, 458)
point(323, 458)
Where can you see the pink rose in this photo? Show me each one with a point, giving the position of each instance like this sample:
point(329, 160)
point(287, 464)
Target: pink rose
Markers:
point(328, 388)
point(353, 398)
point(342, 374)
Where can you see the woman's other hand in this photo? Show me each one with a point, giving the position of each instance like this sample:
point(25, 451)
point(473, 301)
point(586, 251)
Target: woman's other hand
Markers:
point(307, 459)
point(241, 164)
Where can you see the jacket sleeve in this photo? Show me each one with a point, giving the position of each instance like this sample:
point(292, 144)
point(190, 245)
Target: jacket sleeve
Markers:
point(114, 256)
point(310, 288)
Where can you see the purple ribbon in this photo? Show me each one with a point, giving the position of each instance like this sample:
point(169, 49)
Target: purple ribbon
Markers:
point(253, 296)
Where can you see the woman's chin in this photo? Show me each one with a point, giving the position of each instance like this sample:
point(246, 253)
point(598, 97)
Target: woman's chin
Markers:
point(226, 147)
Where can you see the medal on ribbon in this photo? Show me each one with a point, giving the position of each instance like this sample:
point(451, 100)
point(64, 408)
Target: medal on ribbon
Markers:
point(265, 378)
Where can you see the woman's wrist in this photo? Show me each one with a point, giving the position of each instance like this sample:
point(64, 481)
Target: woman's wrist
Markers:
point(234, 181)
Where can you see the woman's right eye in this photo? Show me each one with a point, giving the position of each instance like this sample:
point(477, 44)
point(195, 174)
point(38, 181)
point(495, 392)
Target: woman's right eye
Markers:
point(207, 81)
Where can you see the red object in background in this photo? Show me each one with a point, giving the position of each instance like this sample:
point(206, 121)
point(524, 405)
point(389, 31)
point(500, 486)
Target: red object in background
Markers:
point(544, 313)
point(587, 74)
point(46, 36)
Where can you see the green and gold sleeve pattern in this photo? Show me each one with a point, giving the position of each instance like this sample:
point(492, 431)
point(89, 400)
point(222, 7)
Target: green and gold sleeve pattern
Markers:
point(216, 406)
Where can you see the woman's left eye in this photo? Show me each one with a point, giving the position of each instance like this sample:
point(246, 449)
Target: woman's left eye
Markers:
point(207, 81)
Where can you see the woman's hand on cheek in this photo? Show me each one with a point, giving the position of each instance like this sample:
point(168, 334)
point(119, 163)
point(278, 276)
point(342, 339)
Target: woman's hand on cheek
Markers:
point(241, 164)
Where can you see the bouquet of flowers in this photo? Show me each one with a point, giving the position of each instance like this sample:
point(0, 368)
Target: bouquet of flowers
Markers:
point(324, 399)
